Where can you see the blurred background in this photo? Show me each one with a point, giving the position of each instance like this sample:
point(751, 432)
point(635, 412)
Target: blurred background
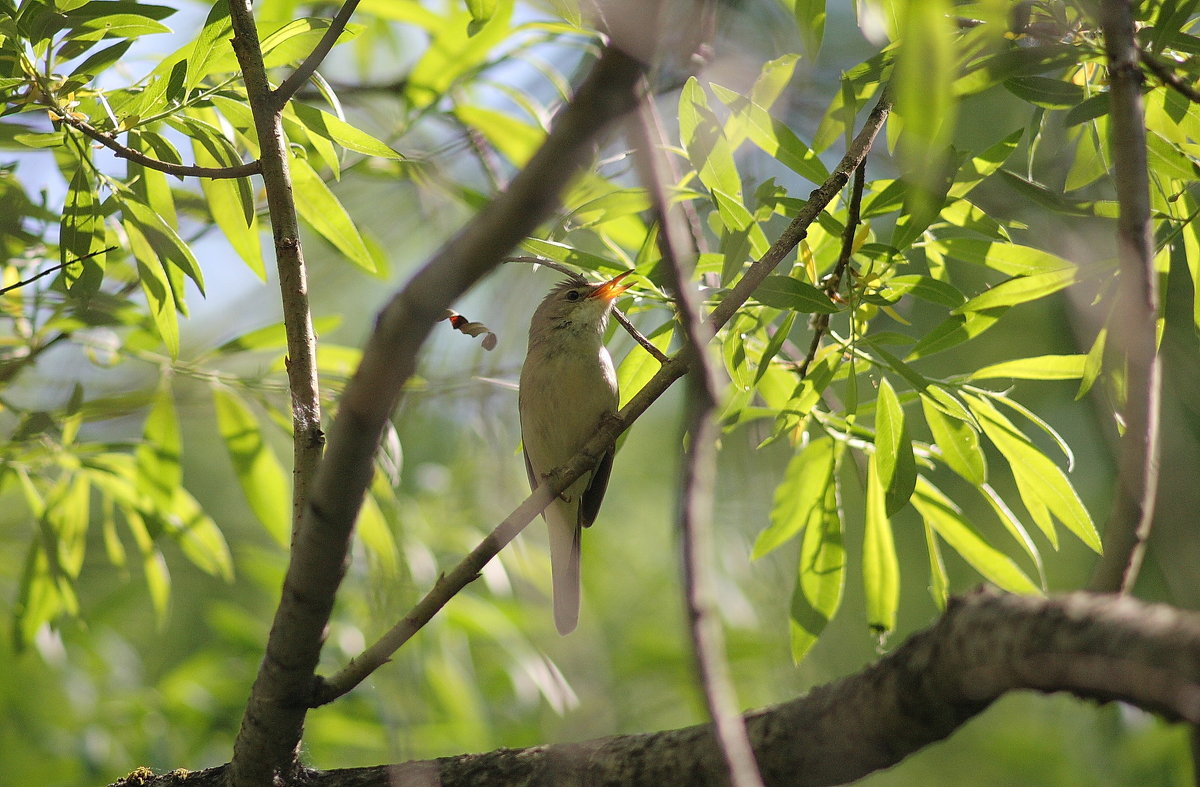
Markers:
point(120, 686)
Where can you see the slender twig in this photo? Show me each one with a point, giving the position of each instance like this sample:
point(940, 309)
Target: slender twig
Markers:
point(700, 458)
point(820, 322)
point(54, 268)
point(271, 727)
point(1168, 76)
point(389, 367)
point(1132, 513)
point(136, 156)
point(282, 94)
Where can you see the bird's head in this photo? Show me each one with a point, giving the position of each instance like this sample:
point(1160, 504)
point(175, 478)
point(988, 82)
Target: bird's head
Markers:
point(575, 304)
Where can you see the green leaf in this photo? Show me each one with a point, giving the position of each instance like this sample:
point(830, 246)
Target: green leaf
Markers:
point(274, 336)
point(893, 449)
point(199, 537)
point(707, 148)
point(377, 536)
point(926, 288)
point(1094, 363)
point(319, 207)
point(939, 583)
point(569, 255)
point(947, 521)
point(81, 233)
point(1010, 259)
point(954, 330)
point(925, 73)
point(1045, 92)
point(800, 496)
point(1020, 289)
point(159, 471)
point(334, 128)
point(639, 366)
point(977, 168)
point(957, 443)
point(1043, 486)
point(810, 18)
point(1017, 530)
point(230, 200)
point(262, 477)
point(516, 140)
point(782, 331)
point(164, 240)
point(784, 292)
point(1041, 367)
point(212, 42)
point(818, 592)
point(771, 136)
point(98, 62)
point(881, 568)
point(156, 288)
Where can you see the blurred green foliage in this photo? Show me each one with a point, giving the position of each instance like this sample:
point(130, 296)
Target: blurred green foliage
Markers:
point(144, 514)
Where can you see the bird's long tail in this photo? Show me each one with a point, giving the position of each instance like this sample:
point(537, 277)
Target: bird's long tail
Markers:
point(562, 520)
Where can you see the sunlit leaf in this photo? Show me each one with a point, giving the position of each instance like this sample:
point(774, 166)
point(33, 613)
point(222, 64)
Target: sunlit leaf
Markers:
point(639, 365)
point(893, 449)
point(881, 568)
point(822, 575)
point(1041, 367)
point(948, 522)
point(319, 207)
point(262, 477)
point(957, 443)
point(800, 496)
point(784, 292)
point(81, 234)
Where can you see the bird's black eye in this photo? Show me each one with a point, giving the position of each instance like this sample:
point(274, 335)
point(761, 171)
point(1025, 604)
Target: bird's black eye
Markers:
point(572, 295)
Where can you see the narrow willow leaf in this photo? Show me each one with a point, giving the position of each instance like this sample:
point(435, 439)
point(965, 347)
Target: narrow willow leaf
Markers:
point(211, 44)
point(771, 136)
point(784, 292)
point(893, 449)
point(881, 568)
point(639, 365)
point(274, 336)
point(926, 288)
point(158, 584)
point(800, 496)
point(165, 241)
point(705, 143)
point(948, 522)
point(319, 207)
point(925, 73)
point(67, 514)
point(262, 477)
point(1020, 289)
point(774, 345)
point(1040, 423)
point(350, 137)
point(977, 168)
point(81, 235)
point(159, 468)
point(515, 139)
point(957, 443)
point(1042, 484)
point(231, 205)
point(1013, 525)
point(199, 537)
point(953, 331)
point(1010, 259)
point(810, 18)
point(156, 288)
point(377, 536)
point(939, 583)
point(1040, 367)
point(822, 576)
point(569, 255)
point(1093, 364)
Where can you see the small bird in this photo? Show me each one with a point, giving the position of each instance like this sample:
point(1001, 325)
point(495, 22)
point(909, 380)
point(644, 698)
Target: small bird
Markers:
point(567, 385)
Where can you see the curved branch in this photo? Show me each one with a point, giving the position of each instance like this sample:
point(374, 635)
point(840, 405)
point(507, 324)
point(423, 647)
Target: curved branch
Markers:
point(282, 94)
point(1094, 646)
point(1129, 523)
point(1168, 76)
point(136, 156)
point(700, 456)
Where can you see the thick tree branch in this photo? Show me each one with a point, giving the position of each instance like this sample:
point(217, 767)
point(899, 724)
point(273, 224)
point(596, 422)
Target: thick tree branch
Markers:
point(269, 737)
point(1096, 647)
point(136, 156)
point(698, 474)
point(675, 367)
point(282, 94)
point(1129, 523)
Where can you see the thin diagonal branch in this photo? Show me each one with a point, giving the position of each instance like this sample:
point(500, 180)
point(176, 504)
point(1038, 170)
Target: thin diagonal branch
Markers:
point(1129, 523)
point(700, 458)
point(820, 322)
point(282, 94)
point(54, 268)
point(559, 479)
point(136, 156)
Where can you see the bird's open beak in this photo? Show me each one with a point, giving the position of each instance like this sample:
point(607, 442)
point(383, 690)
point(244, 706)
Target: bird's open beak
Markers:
point(611, 288)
